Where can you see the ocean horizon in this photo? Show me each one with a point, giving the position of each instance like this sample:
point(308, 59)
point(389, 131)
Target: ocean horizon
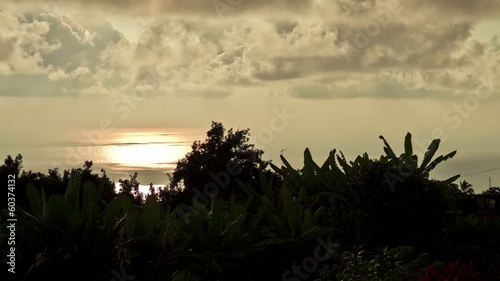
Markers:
point(154, 152)
point(151, 153)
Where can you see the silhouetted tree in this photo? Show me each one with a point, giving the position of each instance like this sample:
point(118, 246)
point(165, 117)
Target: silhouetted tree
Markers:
point(86, 174)
point(53, 182)
point(130, 188)
point(492, 190)
point(213, 166)
point(11, 167)
point(466, 187)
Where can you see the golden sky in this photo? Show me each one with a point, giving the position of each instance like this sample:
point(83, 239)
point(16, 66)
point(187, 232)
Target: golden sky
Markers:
point(347, 71)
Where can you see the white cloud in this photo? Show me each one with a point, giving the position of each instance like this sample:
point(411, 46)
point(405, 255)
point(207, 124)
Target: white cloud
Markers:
point(97, 89)
point(259, 50)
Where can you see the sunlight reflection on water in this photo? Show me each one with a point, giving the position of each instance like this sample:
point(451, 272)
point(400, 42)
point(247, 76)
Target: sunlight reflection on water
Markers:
point(150, 153)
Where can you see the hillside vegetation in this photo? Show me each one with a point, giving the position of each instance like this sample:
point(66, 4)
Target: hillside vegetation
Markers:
point(229, 215)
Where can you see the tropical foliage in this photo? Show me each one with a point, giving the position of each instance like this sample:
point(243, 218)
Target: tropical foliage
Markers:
point(466, 187)
point(492, 190)
point(382, 219)
point(213, 167)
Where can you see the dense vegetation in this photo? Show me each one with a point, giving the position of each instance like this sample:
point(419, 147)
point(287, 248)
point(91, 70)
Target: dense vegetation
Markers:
point(229, 215)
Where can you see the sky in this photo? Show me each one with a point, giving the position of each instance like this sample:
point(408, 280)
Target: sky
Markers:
point(318, 74)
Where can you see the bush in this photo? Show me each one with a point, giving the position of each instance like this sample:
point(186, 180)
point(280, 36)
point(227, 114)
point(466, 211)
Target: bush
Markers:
point(389, 264)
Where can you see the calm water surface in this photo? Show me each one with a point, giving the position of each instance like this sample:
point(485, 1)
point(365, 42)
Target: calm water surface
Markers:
point(150, 153)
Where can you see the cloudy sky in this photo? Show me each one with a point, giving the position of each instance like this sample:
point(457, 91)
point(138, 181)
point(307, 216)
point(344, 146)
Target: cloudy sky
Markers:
point(322, 74)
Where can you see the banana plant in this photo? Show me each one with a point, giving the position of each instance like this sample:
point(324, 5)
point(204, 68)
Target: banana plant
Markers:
point(289, 224)
point(214, 240)
point(408, 161)
point(312, 181)
point(73, 224)
point(348, 166)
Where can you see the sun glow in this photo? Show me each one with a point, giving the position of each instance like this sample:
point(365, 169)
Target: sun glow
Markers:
point(143, 155)
point(147, 150)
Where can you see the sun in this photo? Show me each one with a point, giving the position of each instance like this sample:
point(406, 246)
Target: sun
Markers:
point(146, 150)
point(142, 155)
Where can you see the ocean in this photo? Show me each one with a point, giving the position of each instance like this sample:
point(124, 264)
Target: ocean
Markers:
point(152, 153)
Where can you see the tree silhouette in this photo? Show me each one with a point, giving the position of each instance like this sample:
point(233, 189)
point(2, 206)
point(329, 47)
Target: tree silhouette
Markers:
point(213, 166)
point(492, 190)
point(53, 183)
point(130, 188)
point(11, 166)
point(466, 187)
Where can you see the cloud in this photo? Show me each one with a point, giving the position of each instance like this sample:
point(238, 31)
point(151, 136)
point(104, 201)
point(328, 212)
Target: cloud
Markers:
point(380, 90)
point(6, 48)
point(238, 8)
point(471, 10)
point(97, 89)
point(256, 46)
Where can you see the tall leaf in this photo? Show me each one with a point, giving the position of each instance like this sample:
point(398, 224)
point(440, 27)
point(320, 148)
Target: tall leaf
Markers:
point(388, 150)
point(72, 193)
point(34, 199)
point(150, 214)
point(452, 179)
point(438, 160)
point(343, 162)
point(431, 150)
point(89, 203)
point(408, 145)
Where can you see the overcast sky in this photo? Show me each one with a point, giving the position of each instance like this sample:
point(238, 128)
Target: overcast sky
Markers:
point(321, 74)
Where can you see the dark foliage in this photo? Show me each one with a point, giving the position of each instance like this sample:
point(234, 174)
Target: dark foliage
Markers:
point(213, 167)
point(261, 225)
point(492, 190)
point(53, 182)
point(369, 213)
point(130, 188)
